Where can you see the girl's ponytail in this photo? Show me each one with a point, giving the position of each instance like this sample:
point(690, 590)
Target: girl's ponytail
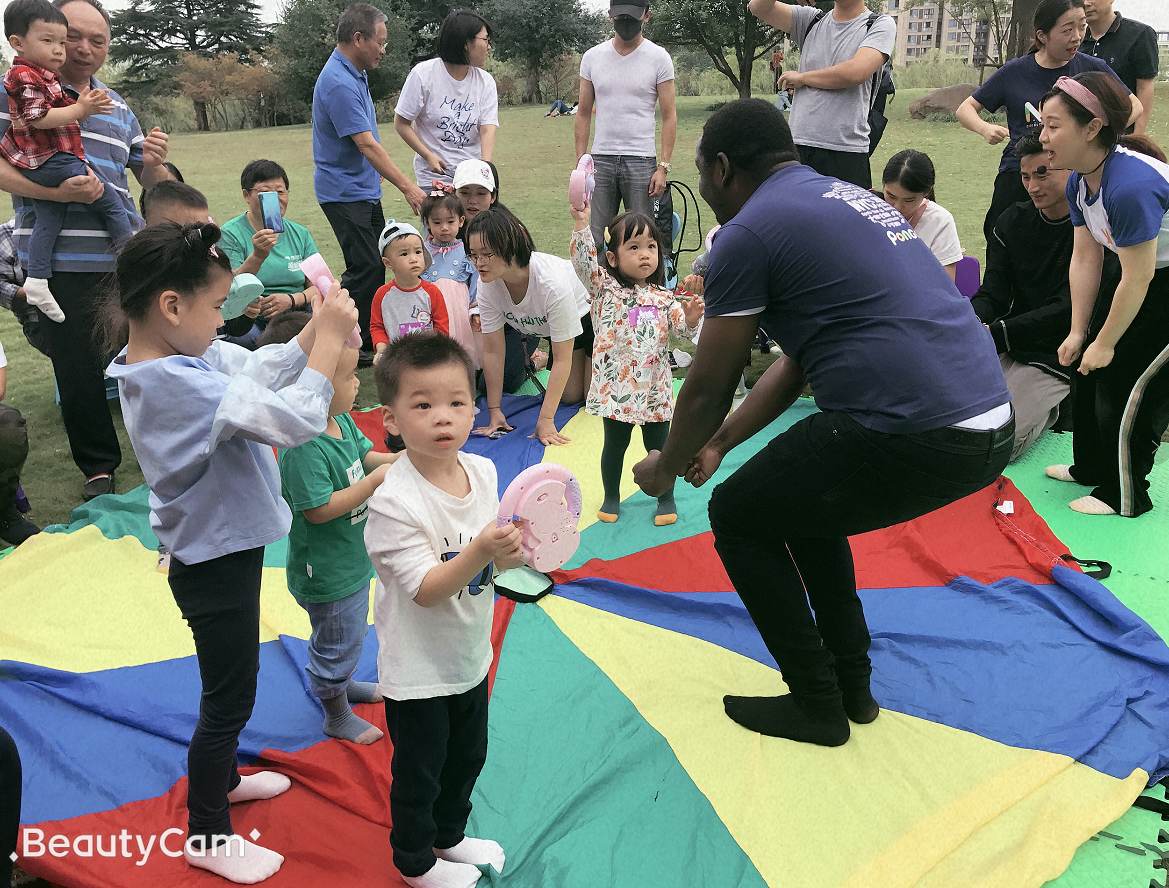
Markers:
point(165, 256)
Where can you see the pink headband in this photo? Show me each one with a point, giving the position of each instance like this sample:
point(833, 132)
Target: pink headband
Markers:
point(1081, 94)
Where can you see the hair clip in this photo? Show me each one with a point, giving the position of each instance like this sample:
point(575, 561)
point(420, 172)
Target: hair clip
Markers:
point(214, 252)
point(606, 234)
point(440, 189)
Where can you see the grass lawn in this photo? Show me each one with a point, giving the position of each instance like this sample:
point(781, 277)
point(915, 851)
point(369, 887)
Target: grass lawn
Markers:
point(534, 157)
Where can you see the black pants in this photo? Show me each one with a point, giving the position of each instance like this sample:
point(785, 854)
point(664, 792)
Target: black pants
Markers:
point(440, 746)
point(13, 452)
point(831, 478)
point(358, 225)
point(1122, 410)
point(10, 779)
point(847, 166)
point(80, 372)
point(220, 600)
point(1008, 191)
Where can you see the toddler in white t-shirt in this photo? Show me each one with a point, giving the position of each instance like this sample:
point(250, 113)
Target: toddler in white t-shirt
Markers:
point(432, 536)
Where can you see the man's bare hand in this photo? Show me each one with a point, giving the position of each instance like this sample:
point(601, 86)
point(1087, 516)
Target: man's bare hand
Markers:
point(80, 189)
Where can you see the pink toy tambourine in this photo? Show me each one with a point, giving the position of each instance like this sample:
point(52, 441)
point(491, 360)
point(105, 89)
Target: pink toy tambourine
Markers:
point(581, 182)
point(546, 501)
point(319, 276)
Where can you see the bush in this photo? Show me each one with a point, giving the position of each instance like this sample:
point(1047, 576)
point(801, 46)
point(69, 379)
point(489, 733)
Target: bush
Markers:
point(685, 83)
point(951, 117)
point(932, 71)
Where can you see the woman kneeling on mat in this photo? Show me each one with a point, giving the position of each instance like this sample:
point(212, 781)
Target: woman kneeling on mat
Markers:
point(1119, 197)
point(534, 293)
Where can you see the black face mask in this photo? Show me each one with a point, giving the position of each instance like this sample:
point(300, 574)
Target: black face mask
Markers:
point(627, 27)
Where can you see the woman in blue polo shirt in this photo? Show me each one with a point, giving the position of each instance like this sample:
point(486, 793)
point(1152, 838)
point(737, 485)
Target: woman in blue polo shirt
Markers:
point(1119, 200)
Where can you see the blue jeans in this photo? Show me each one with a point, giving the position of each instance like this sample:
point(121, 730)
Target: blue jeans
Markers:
point(620, 179)
point(50, 214)
point(339, 629)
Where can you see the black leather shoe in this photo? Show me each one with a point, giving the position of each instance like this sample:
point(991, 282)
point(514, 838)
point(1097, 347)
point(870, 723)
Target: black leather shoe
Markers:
point(16, 532)
point(98, 485)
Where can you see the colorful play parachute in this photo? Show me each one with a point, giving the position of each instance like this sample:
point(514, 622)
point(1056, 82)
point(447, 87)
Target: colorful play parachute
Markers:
point(1025, 708)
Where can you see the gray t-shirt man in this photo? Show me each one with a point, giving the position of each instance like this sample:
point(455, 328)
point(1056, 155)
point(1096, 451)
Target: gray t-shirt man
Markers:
point(835, 119)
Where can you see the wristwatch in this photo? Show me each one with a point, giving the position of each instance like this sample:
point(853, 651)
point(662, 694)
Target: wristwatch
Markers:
point(665, 166)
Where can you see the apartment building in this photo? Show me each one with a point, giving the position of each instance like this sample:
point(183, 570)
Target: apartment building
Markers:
point(931, 25)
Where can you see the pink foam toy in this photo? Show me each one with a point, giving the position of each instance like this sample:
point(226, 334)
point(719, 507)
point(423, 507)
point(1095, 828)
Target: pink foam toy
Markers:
point(581, 182)
point(319, 276)
point(546, 500)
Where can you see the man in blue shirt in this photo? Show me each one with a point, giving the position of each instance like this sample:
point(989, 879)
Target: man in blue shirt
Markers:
point(914, 411)
point(84, 254)
point(350, 160)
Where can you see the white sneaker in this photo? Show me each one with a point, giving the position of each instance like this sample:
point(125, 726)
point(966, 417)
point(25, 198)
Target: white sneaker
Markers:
point(681, 358)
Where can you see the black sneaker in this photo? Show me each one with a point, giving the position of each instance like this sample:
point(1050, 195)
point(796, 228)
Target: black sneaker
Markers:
point(364, 358)
point(98, 485)
point(16, 532)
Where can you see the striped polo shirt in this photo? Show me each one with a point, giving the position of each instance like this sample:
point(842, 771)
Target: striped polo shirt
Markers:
point(112, 143)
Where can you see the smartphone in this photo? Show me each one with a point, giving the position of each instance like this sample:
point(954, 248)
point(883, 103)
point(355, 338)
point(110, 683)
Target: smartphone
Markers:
point(270, 211)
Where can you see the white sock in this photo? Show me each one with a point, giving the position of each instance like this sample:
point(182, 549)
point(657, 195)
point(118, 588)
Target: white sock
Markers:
point(262, 785)
point(1089, 505)
point(1060, 473)
point(245, 866)
point(474, 851)
point(445, 874)
point(36, 291)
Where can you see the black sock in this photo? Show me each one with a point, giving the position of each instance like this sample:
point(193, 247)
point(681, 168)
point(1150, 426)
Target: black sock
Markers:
point(860, 705)
point(788, 717)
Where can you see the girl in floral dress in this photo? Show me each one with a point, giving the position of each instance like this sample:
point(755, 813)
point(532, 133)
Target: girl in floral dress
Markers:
point(633, 313)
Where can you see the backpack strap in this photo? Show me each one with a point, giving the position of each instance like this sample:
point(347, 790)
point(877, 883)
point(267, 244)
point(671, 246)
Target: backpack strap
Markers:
point(872, 20)
point(873, 16)
point(815, 21)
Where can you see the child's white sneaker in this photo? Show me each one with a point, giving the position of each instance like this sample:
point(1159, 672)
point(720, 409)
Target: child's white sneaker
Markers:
point(36, 291)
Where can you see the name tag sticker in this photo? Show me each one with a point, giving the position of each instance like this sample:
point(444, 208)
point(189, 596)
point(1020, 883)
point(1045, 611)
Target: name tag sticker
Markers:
point(643, 314)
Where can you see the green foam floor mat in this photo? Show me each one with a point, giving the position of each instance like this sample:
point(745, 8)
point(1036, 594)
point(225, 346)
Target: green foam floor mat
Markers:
point(1135, 547)
point(1111, 859)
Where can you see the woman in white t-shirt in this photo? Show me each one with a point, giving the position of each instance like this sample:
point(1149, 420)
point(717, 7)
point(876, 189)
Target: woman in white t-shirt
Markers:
point(449, 108)
point(908, 185)
point(534, 293)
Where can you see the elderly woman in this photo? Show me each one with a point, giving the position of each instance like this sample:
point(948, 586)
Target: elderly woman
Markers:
point(272, 257)
point(448, 109)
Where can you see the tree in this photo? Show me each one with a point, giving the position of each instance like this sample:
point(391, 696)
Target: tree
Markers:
point(1019, 34)
point(536, 32)
point(152, 34)
point(307, 36)
point(720, 27)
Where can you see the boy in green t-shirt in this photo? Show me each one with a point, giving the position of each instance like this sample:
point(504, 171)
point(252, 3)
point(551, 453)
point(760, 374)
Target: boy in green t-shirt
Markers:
point(326, 486)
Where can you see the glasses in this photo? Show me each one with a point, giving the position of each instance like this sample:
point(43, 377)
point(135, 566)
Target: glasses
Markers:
point(486, 40)
point(279, 192)
point(480, 257)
